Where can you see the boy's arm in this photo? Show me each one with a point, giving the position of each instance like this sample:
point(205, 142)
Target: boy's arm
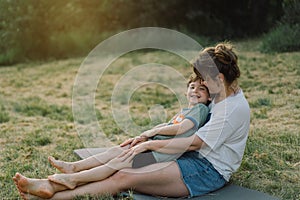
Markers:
point(160, 125)
point(197, 116)
point(174, 129)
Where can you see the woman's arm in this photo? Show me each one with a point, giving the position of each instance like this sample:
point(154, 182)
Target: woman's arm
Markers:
point(162, 129)
point(171, 146)
point(174, 129)
point(175, 145)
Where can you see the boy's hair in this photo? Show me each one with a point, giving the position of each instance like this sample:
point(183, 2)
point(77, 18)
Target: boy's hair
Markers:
point(197, 77)
point(193, 78)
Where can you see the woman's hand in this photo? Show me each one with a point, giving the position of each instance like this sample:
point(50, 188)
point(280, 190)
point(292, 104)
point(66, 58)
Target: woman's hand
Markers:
point(140, 148)
point(134, 141)
point(119, 163)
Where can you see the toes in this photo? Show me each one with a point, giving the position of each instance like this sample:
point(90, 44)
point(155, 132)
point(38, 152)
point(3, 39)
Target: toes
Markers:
point(16, 179)
point(51, 159)
point(17, 176)
point(23, 195)
point(51, 177)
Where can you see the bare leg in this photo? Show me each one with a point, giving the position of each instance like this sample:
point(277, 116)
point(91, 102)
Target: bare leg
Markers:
point(161, 179)
point(95, 174)
point(38, 187)
point(62, 166)
point(27, 196)
point(88, 163)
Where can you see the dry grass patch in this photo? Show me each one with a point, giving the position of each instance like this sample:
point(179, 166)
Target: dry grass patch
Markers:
point(36, 115)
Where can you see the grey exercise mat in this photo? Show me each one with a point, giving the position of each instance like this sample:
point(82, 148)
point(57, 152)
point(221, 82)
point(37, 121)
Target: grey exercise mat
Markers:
point(229, 192)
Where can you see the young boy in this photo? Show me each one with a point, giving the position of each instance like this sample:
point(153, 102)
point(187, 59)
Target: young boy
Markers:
point(100, 166)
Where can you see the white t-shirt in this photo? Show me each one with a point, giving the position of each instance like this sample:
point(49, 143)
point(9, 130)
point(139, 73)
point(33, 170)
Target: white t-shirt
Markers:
point(225, 134)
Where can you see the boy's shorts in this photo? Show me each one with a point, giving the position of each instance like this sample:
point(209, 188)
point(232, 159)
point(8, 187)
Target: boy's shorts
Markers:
point(151, 157)
point(143, 159)
point(198, 174)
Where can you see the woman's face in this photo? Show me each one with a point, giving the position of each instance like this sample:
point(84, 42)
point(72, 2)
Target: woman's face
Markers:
point(214, 84)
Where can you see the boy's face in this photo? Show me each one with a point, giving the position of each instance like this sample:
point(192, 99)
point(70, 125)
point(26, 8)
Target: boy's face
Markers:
point(197, 93)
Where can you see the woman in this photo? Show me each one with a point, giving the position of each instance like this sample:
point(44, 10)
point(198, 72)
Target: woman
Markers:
point(213, 153)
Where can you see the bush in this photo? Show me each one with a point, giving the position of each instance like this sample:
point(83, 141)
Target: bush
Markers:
point(10, 56)
point(284, 38)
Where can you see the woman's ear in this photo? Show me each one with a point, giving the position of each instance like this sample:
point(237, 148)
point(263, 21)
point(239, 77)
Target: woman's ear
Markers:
point(221, 77)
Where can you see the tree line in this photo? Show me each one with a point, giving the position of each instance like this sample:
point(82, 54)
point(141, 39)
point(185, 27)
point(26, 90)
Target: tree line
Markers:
point(42, 29)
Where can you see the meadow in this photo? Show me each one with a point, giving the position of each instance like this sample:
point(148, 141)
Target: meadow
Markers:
point(36, 117)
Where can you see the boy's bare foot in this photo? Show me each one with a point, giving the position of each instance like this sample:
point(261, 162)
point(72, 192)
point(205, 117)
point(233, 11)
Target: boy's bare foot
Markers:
point(63, 179)
point(62, 166)
point(37, 187)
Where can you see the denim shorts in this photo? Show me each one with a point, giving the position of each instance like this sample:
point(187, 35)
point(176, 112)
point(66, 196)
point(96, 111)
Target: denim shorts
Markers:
point(198, 174)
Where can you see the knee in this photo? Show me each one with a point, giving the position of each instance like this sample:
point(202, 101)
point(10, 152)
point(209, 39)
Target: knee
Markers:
point(123, 180)
point(116, 150)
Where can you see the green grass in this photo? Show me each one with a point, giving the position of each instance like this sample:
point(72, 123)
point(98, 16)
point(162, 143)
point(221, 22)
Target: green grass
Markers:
point(35, 106)
point(4, 116)
point(36, 115)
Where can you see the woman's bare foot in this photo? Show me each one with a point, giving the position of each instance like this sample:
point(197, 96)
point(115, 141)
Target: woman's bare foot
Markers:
point(27, 196)
point(62, 166)
point(63, 179)
point(37, 187)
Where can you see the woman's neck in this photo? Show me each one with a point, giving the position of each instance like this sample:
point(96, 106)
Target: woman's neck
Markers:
point(229, 90)
point(220, 96)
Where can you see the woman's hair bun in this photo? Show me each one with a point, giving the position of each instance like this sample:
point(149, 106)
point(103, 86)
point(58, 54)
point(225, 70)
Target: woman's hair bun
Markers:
point(224, 53)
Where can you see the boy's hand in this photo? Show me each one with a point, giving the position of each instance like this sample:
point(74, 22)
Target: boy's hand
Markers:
point(130, 153)
point(134, 141)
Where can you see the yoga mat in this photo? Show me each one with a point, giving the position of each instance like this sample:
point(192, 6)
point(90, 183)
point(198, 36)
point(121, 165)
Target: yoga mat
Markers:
point(228, 192)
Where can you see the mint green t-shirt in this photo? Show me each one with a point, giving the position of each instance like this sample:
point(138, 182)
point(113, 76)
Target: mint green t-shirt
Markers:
point(197, 114)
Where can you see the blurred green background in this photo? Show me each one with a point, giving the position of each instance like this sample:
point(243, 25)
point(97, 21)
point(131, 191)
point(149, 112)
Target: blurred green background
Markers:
point(56, 29)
